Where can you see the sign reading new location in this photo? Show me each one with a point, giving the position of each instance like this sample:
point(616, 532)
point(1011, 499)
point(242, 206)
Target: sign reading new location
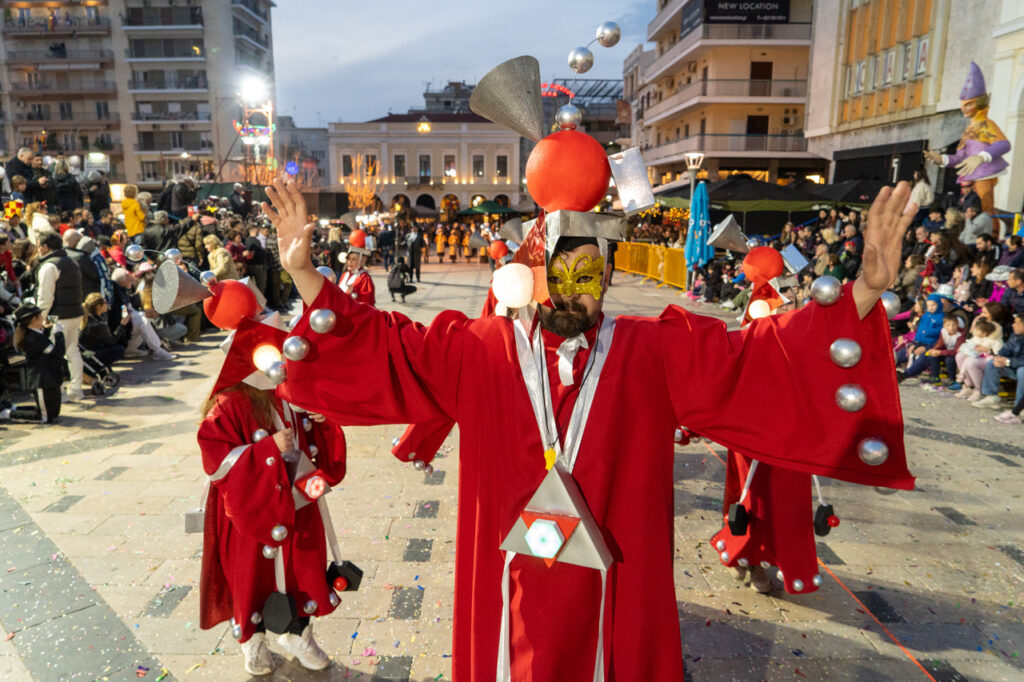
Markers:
point(746, 11)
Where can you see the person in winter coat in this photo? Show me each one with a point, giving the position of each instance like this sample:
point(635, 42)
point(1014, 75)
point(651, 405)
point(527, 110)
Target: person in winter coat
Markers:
point(43, 346)
point(182, 196)
point(221, 262)
point(98, 193)
point(134, 214)
point(1008, 364)
point(190, 243)
point(69, 192)
point(91, 282)
point(95, 334)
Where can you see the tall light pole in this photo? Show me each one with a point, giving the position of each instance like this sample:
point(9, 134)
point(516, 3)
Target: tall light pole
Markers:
point(693, 164)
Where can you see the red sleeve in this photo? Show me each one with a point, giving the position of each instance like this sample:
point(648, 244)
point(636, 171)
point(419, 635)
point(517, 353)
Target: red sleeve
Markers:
point(422, 441)
point(769, 390)
point(250, 477)
point(375, 367)
point(363, 290)
point(331, 450)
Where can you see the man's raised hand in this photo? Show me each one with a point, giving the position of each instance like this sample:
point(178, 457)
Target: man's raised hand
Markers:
point(287, 211)
point(890, 215)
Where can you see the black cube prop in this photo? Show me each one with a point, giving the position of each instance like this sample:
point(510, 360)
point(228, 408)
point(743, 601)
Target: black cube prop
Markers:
point(738, 519)
point(280, 613)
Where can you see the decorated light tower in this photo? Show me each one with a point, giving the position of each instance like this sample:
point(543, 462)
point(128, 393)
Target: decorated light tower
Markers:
point(256, 133)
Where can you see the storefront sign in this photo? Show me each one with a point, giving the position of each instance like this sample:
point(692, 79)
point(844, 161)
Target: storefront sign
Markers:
point(746, 11)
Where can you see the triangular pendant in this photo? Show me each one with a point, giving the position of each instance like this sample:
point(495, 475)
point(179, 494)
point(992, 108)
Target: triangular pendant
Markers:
point(557, 525)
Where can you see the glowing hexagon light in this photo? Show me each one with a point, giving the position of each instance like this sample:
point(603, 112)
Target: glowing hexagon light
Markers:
point(545, 538)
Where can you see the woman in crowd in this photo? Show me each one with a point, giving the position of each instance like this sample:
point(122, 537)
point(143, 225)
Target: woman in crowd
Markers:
point(986, 340)
point(118, 243)
point(910, 279)
point(221, 262)
point(981, 288)
point(96, 335)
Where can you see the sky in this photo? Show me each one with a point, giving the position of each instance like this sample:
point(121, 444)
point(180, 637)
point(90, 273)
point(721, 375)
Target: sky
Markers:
point(343, 60)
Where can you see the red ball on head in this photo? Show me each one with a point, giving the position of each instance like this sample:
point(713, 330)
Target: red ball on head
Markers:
point(763, 262)
point(498, 250)
point(232, 301)
point(357, 239)
point(567, 170)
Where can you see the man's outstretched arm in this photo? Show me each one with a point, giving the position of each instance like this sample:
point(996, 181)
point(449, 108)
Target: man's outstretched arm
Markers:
point(888, 220)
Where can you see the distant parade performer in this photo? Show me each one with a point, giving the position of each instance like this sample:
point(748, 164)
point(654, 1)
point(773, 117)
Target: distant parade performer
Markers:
point(979, 156)
point(439, 240)
point(565, 536)
point(355, 280)
point(453, 244)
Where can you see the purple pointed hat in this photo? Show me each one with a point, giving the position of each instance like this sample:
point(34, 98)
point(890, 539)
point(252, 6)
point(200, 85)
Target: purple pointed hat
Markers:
point(974, 86)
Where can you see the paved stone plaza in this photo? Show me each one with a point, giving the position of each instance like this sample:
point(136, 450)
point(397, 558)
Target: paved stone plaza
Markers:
point(99, 581)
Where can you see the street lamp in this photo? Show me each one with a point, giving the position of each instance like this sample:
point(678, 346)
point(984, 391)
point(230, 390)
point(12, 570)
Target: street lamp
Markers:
point(253, 90)
point(693, 163)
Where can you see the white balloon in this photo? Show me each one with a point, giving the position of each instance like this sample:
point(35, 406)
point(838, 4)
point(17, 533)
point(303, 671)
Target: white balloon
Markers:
point(513, 285)
point(759, 308)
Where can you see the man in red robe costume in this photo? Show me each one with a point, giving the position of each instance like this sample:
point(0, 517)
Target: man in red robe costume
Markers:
point(741, 389)
point(355, 280)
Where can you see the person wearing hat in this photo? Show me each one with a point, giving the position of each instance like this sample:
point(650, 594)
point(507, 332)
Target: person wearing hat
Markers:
point(355, 280)
point(43, 346)
point(237, 201)
point(220, 261)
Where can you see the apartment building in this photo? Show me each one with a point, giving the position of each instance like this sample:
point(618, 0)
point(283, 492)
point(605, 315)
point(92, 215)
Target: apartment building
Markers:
point(143, 89)
point(886, 77)
point(729, 83)
point(308, 149)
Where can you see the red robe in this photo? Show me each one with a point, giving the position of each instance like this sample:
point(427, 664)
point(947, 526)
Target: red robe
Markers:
point(245, 504)
point(768, 391)
point(362, 288)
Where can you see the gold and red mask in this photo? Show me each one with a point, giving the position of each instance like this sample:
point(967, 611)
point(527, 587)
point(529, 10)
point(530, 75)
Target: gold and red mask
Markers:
point(584, 276)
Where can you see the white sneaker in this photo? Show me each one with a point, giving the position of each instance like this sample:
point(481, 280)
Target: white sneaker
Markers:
point(257, 655)
point(729, 305)
point(73, 395)
point(305, 649)
point(135, 353)
point(974, 396)
point(161, 354)
point(760, 581)
point(990, 401)
point(5, 413)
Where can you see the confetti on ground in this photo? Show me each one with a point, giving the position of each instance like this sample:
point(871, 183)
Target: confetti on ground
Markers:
point(9, 637)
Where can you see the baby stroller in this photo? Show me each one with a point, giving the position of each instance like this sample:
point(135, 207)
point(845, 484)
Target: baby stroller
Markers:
point(105, 379)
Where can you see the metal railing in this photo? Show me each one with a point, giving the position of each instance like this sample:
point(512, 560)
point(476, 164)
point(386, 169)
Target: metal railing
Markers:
point(61, 25)
point(725, 143)
point(187, 83)
point(73, 117)
point(61, 88)
point(252, 34)
point(675, 53)
point(58, 53)
point(188, 53)
point(183, 18)
point(252, 7)
point(184, 116)
point(727, 87)
point(165, 147)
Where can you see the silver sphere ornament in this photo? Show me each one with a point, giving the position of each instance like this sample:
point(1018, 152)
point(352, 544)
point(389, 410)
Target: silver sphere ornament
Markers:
point(851, 397)
point(780, 576)
point(873, 451)
point(816, 580)
point(845, 352)
point(429, 469)
point(292, 323)
point(334, 599)
point(207, 278)
point(743, 562)
point(608, 34)
point(568, 117)
point(753, 243)
point(310, 607)
point(277, 372)
point(270, 461)
point(236, 631)
point(826, 290)
point(269, 552)
point(258, 435)
point(313, 450)
point(173, 255)
point(322, 320)
point(725, 557)
point(328, 273)
point(891, 303)
point(255, 618)
point(884, 491)
point(765, 564)
point(395, 441)
point(279, 533)
point(581, 59)
point(419, 464)
point(295, 348)
point(134, 253)
point(720, 545)
point(798, 585)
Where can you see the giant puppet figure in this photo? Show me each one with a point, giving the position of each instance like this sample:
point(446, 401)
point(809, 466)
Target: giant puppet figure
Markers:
point(565, 531)
point(979, 156)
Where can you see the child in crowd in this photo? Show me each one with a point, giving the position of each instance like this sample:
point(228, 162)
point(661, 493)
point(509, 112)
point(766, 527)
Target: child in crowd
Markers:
point(398, 279)
point(18, 186)
point(926, 332)
point(43, 346)
point(986, 340)
point(944, 349)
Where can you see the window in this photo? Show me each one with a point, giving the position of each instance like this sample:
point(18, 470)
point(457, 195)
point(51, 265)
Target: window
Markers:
point(65, 111)
point(399, 165)
point(149, 170)
point(177, 140)
point(318, 154)
point(449, 165)
point(501, 166)
point(346, 165)
point(103, 109)
point(478, 165)
point(205, 140)
point(424, 165)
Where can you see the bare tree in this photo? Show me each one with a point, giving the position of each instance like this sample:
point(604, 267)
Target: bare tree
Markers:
point(363, 183)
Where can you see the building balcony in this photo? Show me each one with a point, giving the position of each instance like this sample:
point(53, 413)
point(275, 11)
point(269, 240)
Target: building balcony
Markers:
point(252, 37)
point(250, 8)
point(55, 121)
point(177, 21)
point(666, 16)
point(166, 149)
point(34, 57)
point(50, 89)
point(751, 146)
point(78, 26)
point(172, 117)
point(733, 91)
point(182, 56)
point(729, 35)
point(195, 84)
point(53, 145)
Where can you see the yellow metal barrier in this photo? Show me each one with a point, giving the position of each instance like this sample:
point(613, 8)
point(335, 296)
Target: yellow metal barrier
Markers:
point(667, 266)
